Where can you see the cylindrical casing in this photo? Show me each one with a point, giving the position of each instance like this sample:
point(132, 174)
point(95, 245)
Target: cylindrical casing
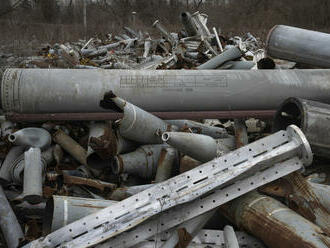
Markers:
point(188, 24)
point(165, 33)
point(167, 158)
point(33, 173)
point(227, 55)
point(31, 137)
point(274, 223)
point(9, 225)
point(299, 45)
point(71, 146)
point(230, 237)
point(237, 65)
point(63, 210)
point(56, 90)
point(200, 147)
point(139, 125)
point(200, 128)
point(6, 167)
point(313, 118)
point(142, 162)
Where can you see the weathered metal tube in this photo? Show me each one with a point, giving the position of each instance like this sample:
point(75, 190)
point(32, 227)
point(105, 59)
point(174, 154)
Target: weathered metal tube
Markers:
point(137, 124)
point(312, 117)
point(230, 237)
point(167, 158)
point(200, 147)
point(63, 210)
point(188, 24)
point(142, 162)
point(200, 128)
point(237, 65)
point(56, 90)
point(9, 225)
point(299, 45)
point(33, 176)
point(31, 137)
point(71, 146)
point(274, 223)
point(164, 32)
point(227, 55)
point(6, 167)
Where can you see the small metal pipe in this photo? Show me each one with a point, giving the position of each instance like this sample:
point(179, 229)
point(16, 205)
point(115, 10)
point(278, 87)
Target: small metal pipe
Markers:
point(164, 32)
point(71, 146)
point(227, 55)
point(33, 176)
point(299, 45)
point(9, 225)
point(261, 114)
point(217, 39)
point(230, 237)
point(200, 147)
point(237, 65)
point(7, 165)
point(31, 137)
point(147, 47)
point(313, 119)
point(142, 162)
point(188, 24)
point(167, 158)
point(63, 210)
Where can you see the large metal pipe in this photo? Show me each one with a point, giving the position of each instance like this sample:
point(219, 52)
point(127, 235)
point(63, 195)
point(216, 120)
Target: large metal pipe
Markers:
point(8, 223)
point(53, 91)
point(299, 45)
point(312, 117)
point(274, 223)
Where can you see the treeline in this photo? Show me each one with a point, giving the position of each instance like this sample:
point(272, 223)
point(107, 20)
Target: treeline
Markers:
point(49, 21)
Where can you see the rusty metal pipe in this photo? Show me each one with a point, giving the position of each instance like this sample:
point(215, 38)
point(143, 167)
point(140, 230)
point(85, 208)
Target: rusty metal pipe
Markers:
point(9, 225)
point(312, 117)
point(299, 45)
point(167, 158)
point(66, 91)
point(274, 223)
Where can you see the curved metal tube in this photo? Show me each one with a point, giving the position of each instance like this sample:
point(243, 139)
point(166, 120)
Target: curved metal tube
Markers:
point(31, 137)
point(7, 165)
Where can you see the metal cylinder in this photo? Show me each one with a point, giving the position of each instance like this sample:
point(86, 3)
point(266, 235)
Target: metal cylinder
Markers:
point(313, 118)
point(200, 147)
point(31, 137)
point(142, 162)
point(230, 237)
point(237, 65)
point(227, 55)
point(188, 24)
point(6, 167)
point(164, 32)
point(167, 158)
point(274, 223)
point(9, 225)
point(63, 210)
point(56, 90)
point(71, 146)
point(33, 176)
point(299, 45)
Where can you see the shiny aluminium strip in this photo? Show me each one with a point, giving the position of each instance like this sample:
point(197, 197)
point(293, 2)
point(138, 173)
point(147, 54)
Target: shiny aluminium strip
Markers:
point(120, 217)
point(74, 91)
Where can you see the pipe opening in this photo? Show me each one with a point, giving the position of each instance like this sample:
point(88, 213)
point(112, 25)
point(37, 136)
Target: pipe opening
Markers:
point(108, 103)
point(12, 138)
point(290, 113)
point(165, 137)
point(184, 15)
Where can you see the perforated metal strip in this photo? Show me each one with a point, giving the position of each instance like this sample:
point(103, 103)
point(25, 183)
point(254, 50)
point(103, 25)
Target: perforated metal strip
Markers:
point(185, 187)
point(165, 221)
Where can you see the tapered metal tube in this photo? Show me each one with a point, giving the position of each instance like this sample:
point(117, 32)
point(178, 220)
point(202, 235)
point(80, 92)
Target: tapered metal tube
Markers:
point(198, 146)
point(188, 24)
point(312, 117)
point(53, 91)
point(142, 162)
point(9, 225)
point(33, 176)
point(227, 55)
point(230, 237)
point(31, 137)
point(63, 210)
point(299, 45)
point(71, 146)
point(7, 165)
point(274, 223)
point(167, 158)
point(237, 65)
point(164, 32)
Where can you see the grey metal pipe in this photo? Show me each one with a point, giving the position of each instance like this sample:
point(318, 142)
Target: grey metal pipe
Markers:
point(312, 117)
point(198, 146)
point(230, 237)
point(237, 65)
point(6, 167)
point(142, 162)
point(299, 45)
point(164, 32)
point(227, 55)
point(63, 210)
point(33, 176)
point(31, 137)
point(9, 225)
point(56, 90)
point(188, 24)
point(167, 158)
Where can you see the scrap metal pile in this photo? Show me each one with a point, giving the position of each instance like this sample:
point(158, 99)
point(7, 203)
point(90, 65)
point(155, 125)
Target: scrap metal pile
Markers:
point(169, 158)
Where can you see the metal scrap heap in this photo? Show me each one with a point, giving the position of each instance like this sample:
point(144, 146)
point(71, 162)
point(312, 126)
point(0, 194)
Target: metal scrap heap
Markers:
point(231, 153)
